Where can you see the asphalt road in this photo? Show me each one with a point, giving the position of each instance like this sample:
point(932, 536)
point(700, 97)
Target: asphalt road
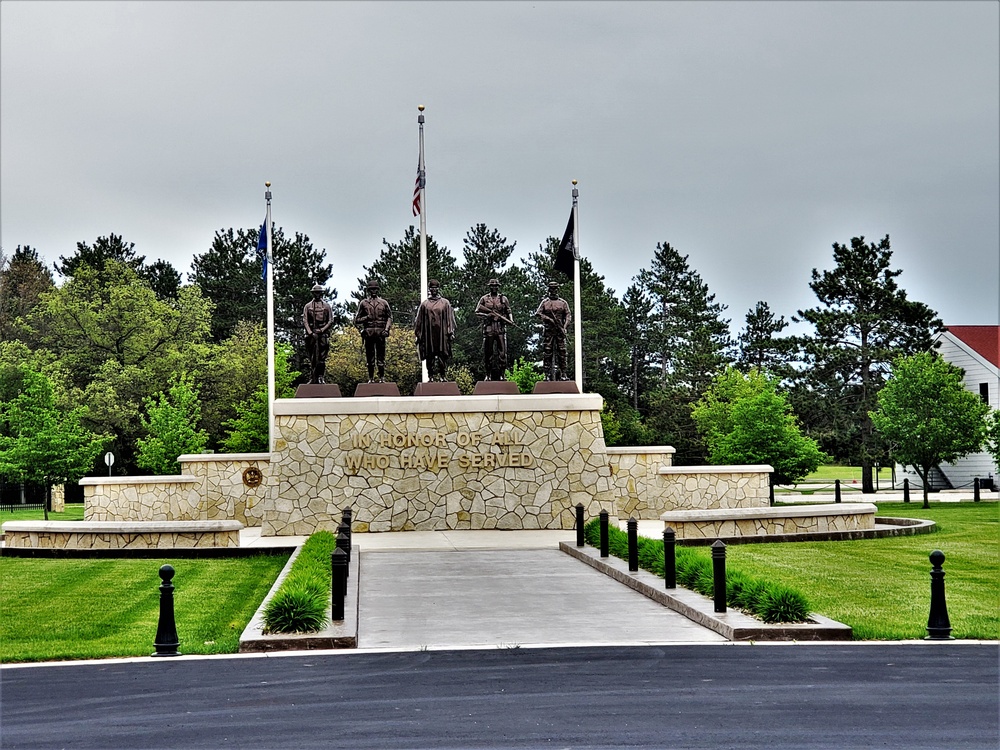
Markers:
point(913, 696)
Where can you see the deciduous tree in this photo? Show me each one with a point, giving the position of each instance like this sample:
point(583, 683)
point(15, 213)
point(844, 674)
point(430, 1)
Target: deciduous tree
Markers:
point(171, 421)
point(38, 442)
point(927, 416)
point(744, 420)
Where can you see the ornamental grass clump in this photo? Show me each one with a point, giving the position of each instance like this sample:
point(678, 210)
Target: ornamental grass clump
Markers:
point(301, 602)
point(769, 601)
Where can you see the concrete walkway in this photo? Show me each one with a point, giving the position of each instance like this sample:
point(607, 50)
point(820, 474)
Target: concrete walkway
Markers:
point(496, 589)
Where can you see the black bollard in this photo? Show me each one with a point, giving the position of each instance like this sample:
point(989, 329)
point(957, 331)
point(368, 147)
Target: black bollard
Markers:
point(906, 490)
point(770, 489)
point(604, 533)
point(344, 543)
point(633, 545)
point(938, 625)
point(580, 541)
point(338, 577)
point(836, 490)
point(166, 642)
point(975, 490)
point(346, 519)
point(719, 574)
point(669, 558)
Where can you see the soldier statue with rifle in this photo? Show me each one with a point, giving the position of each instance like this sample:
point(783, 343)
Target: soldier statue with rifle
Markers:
point(317, 318)
point(555, 315)
point(494, 309)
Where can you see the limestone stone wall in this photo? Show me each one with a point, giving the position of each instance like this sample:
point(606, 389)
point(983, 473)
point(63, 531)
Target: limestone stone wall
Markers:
point(125, 535)
point(58, 498)
point(231, 485)
point(646, 485)
point(634, 478)
point(435, 463)
point(713, 524)
point(155, 498)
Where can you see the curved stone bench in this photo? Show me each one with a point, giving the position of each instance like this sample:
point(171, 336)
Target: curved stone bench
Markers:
point(797, 519)
point(121, 534)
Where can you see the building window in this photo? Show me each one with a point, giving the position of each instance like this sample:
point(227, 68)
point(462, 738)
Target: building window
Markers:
point(984, 392)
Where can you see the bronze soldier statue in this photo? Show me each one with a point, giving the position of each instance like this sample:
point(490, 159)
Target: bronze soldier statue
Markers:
point(317, 317)
point(374, 321)
point(555, 316)
point(494, 309)
point(434, 330)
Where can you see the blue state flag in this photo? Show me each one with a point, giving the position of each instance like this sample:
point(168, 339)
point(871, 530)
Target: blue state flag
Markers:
point(262, 249)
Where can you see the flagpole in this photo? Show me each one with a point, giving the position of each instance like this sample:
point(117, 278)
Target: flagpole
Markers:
point(270, 325)
point(423, 227)
point(577, 320)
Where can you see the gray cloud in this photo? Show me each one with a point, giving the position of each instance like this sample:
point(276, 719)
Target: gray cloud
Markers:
point(751, 136)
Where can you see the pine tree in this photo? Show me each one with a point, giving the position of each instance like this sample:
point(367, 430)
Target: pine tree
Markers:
point(865, 321)
point(759, 346)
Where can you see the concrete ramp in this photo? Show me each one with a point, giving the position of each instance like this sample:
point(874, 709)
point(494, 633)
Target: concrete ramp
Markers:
point(505, 598)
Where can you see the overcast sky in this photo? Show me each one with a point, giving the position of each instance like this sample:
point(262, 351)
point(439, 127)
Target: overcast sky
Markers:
point(749, 135)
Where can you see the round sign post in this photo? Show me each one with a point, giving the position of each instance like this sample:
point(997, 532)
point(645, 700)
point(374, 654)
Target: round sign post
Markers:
point(109, 459)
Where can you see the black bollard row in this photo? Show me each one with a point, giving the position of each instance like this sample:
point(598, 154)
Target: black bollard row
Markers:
point(633, 545)
point(580, 541)
point(166, 641)
point(604, 533)
point(938, 625)
point(669, 558)
point(338, 575)
point(719, 574)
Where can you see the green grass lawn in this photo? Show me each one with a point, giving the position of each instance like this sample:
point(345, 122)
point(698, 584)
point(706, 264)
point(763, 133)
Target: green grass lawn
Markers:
point(92, 608)
point(74, 512)
point(846, 474)
point(881, 587)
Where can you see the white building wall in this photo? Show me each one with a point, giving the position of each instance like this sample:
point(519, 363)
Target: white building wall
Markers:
point(977, 371)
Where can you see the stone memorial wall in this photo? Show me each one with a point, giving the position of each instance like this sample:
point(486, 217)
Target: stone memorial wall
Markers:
point(473, 462)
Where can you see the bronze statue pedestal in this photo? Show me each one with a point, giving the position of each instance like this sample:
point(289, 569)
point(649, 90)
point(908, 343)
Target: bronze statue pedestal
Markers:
point(496, 388)
point(437, 388)
point(318, 390)
point(376, 389)
point(555, 386)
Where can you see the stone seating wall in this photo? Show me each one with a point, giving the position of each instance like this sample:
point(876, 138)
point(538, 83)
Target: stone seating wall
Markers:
point(120, 534)
point(743, 522)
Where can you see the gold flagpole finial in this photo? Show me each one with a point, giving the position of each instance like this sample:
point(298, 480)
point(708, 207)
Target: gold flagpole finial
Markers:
point(420, 107)
point(267, 184)
point(573, 181)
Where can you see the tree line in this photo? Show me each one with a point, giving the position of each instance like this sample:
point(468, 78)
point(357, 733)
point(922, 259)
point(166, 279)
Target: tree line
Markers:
point(149, 364)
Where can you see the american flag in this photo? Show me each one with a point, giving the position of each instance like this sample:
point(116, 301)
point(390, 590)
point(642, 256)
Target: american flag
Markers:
point(416, 193)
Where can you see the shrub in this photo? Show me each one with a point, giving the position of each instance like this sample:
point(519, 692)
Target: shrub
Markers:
point(299, 606)
point(779, 603)
point(767, 600)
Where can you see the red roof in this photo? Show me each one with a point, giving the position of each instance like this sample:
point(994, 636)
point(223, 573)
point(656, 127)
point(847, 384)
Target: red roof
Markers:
point(984, 340)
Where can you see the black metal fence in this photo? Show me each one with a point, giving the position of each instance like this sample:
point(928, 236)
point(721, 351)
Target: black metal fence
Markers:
point(31, 496)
